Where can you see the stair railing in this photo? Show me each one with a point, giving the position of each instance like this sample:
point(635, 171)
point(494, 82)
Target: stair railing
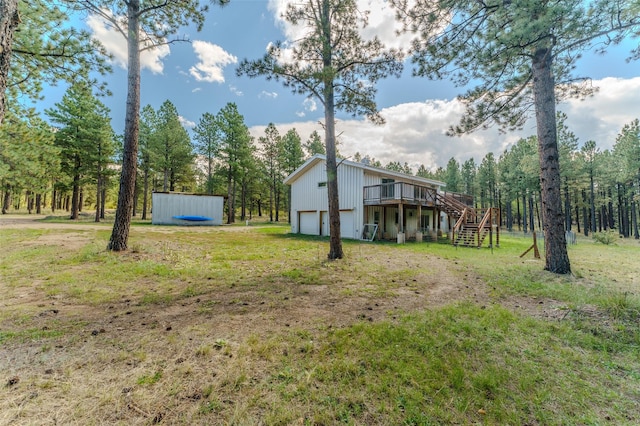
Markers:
point(459, 223)
point(488, 217)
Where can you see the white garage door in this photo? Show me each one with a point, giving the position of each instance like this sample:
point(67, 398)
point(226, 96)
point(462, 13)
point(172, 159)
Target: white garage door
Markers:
point(347, 226)
point(308, 223)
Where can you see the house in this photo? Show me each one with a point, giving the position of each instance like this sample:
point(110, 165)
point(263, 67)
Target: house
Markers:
point(174, 208)
point(374, 203)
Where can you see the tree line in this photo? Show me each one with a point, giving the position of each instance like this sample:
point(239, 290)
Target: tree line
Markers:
point(73, 166)
point(70, 162)
point(515, 58)
point(600, 188)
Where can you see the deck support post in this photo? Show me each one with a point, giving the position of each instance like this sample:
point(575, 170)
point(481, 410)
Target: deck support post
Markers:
point(419, 219)
point(400, 224)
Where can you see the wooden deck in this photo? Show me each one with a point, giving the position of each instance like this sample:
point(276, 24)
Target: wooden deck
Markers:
point(399, 193)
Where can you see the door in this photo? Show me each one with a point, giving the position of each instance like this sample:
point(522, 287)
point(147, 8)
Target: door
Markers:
point(308, 223)
point(347, 224)
point(388, 186)
point(324, 223)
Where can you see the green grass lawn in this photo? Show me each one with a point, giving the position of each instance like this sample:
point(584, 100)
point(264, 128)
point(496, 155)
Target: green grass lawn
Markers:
point(219, 326)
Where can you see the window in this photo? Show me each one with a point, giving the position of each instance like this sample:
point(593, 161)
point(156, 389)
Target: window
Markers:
point(322, 184)
point(387, 188)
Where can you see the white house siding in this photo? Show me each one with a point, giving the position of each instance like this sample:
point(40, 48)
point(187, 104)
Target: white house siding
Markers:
point(390, 223)
point(411, 223)
point(167, 205)
point(307, 196)
point(371, 179)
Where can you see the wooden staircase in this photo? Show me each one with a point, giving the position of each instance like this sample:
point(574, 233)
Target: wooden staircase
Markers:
point(472, 226)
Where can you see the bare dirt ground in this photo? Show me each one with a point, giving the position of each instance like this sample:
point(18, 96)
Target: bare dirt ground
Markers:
point(97, 374)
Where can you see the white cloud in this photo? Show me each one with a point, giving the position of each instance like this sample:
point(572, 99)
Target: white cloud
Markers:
point(186, 123)
point(265, 94)
point(116, 44)
point(382, 23)
point(416, 132)
point(236, 91)
point(310, 104)
point(601, 117)
point(196, 90)
point(213, 59)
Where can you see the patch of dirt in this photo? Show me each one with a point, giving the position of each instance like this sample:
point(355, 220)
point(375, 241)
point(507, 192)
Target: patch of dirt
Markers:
point(542, 308)
point(103, 372)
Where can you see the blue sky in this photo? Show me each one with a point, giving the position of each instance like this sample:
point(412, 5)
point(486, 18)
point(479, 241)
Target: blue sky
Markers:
point(199, 77)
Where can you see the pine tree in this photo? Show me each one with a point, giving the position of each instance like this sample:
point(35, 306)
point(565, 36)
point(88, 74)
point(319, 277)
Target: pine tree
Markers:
point(28, 157)
point(517, 53)
point(171, 150)
point(333, 64)
point(269, 147)
point(207, 136)
point(290, 157)
point(38, 46)
point(453, 177)
point(235, 152)
point(84, 138)
point(144, 25)
point(314, 145)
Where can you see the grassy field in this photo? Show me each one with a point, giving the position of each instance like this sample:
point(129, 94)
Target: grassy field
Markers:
point(250, 325)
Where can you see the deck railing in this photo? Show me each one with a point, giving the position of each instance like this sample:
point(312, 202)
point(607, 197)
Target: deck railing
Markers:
point(465, 199)
point(399, 192)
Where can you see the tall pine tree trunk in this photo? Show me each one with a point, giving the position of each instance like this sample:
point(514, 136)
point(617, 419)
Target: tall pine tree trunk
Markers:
point(612, 220)
point(29, 199)
point(103, 199)
point(531, 214)
point(335, 242)
point(243, 201)
point(230, 204)
point(576, 209)
point(524, 213)
point(6, 199)
point(567, 206)
point(625, 216)
point(98, 196)
point(277, 203)
point(518, 214)
point(634, 220)
point(75, 199)
point(124, 211)
point(585, 214)
point(592, 202)
point(9, 20)
point(556, 256)
point(271, 200)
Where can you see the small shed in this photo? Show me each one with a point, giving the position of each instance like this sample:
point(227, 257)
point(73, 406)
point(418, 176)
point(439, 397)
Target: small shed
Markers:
point(175, 208)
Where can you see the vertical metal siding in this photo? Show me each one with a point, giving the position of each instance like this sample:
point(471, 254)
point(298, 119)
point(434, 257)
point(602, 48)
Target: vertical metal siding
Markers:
point(307, 196)
point(350, 184)
point(167, 205)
